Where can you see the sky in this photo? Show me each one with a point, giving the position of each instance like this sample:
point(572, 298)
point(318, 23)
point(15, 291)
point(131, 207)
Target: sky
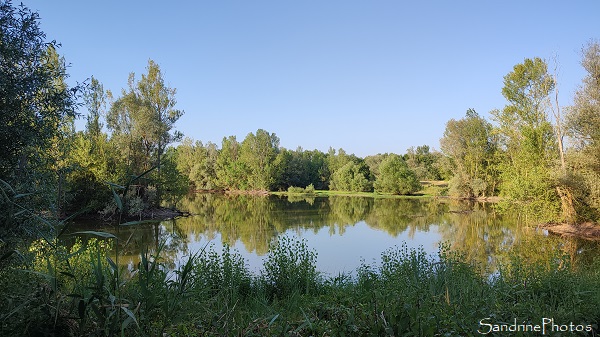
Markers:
point(366, 76)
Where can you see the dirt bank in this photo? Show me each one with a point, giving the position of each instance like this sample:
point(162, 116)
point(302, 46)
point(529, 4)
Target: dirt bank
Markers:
point(586, 230)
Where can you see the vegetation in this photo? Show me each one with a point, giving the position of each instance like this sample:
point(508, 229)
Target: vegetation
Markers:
point(408, 293)
point(125, 162)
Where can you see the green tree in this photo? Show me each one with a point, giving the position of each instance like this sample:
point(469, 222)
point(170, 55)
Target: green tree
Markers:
point(470, 145)
point(396, 177)
point(583, 124)
point(198, 163)
point(423, 162)
point(300, 168)
point(528, 139)
point(258, 153)
point(32, 103)
point(584, 117)
point(352, 176)
point(143, 119)
point(231, 171)
point(95, 101)
point(93, 159)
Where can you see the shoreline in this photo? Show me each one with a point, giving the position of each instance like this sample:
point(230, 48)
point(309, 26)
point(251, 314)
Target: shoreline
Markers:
point(586, 230)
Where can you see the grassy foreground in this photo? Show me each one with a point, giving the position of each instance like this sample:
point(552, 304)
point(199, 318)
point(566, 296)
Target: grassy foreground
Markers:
point(81, 291)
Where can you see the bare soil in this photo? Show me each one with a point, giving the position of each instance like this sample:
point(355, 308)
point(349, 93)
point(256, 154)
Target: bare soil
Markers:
point(586, 230)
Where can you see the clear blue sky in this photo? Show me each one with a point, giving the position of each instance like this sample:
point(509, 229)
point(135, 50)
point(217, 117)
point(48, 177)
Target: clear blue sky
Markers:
point(367, 76)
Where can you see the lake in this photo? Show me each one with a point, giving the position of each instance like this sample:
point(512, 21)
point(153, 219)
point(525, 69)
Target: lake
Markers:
point(345, 231)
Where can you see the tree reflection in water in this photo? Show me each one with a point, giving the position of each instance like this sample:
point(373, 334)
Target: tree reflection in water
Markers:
point(484, 236)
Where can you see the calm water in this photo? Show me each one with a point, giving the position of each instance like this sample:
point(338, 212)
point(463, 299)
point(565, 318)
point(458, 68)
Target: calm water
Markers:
point(344, 230)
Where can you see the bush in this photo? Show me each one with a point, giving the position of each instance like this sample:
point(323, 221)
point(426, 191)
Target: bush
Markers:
point(396, 177)
point(290, 268)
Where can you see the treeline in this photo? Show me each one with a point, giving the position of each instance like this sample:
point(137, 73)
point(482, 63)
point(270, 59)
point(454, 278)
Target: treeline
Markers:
point(259, 163)
point(540, 156)
point(533, 152)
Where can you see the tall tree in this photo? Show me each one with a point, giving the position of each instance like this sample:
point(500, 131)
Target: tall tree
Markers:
point(258, 152)
point(528, 139)
point(32, 105)
point(584, 117)
point(144, 119)
point(231, 171)
point(95, 101)
point(471, 148)
point(583, 124)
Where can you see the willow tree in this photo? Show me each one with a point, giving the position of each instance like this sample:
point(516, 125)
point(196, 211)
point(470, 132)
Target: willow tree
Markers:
point(396, 177)
point(34, 100)
point(528, 139)
point(583, 123)
point(472, 149)
point(142, 121)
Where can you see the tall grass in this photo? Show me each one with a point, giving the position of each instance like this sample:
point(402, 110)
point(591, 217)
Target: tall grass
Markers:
point(408, 293)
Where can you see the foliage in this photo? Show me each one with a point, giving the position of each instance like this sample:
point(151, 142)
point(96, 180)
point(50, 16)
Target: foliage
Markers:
point(142, 122)
point(472, 150)
point(34, 101)
point(395, 177)
point(310, 189)
point(257, 153)
point(528, 139)
point(407, 293)
point(352, 176)
point(231, 171)
point(301, 168)
point(290, 268)
point(198, 163)
point(423, 162)
point(583, 125)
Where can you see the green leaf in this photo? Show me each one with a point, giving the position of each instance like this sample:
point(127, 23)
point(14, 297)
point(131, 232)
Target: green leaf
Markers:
point(112, 263)
point(273, 319)
point(127, 321)
point(113, 185)
point(67, 274)
point(7, 185)
point(117, 200)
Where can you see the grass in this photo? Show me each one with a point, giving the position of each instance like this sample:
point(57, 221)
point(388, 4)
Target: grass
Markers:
point(408, 293)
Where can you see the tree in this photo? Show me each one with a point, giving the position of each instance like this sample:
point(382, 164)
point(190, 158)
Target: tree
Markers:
point(91, 156)
point(352, 176)
point(95, 101)
point(396, 177)
point(258, 152)
point(32, 105)
point(583, 127)
point(525, 132)
point(198, 163)
point(528, 139)
point(142, 121)
point(231, 171)
point(584, 117)
point(471, 147)
point(300, 168)
point(422, 162)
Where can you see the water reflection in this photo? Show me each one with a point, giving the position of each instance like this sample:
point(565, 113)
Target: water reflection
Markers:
point(344, 230)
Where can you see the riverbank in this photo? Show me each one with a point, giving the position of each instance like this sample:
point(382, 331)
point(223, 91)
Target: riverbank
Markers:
point(407, 293)
point(586, 230)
